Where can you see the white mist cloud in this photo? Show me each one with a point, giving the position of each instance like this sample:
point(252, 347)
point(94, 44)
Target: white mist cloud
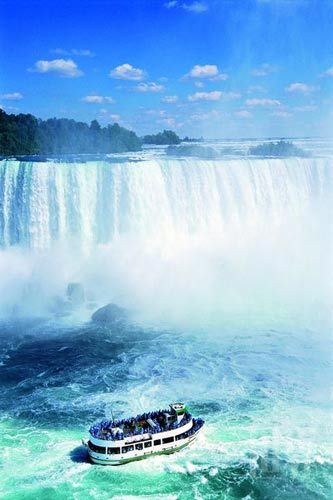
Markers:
point(210, 115)
point(329, 72)
point(127, 72)
point(207, 71)
point(196, 7)
point(14, 96)
point(149, 87)
point(298, 87)
point(307, 107)
point(282, 114)
point(97, 99)
point(262, 102)
point(264, 70)
point(172, 4)
point(170, 122)
point(243, 113)
point(215, 95)
point(204, 71)
point(170, 99)
point(73, 52)
point(62, 67)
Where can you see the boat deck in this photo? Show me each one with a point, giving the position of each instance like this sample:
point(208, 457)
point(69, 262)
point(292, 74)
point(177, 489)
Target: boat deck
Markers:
point(152, 423)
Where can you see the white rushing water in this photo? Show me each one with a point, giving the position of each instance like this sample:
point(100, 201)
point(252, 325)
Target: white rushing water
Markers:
point(181, 234)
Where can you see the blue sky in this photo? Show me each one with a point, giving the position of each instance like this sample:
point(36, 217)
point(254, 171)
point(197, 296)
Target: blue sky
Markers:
point(218, 68)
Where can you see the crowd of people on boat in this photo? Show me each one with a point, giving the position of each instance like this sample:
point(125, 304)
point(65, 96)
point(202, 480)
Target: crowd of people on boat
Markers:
point(120, 429)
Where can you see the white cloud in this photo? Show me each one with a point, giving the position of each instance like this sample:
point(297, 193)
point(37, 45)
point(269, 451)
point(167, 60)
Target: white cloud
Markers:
point(61, 67)
point(14, 96)
point(196, 7)
point(329, 72)
point(199, 85)
point(149, 87)
point(256, 88)
point(97, 99)
point(170, 99)
point(204, 71)
point(243, 113)
point(302, 88)
point(282, 114)
point(171, 122)
point(228, 96)
point(215, 95)
point(115, 117)
point(154, 112)
point(220, 77)
point(210, 115)
point(264, 70)
point(127, 72)
point(262, 102)
point(307, 107)
point(73, 52)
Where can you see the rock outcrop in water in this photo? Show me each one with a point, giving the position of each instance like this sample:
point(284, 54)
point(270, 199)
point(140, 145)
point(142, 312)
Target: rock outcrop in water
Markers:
point(280, 149)
point(109, 314)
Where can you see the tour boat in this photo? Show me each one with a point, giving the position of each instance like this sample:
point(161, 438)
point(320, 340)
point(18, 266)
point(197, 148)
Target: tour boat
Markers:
point(157, 432)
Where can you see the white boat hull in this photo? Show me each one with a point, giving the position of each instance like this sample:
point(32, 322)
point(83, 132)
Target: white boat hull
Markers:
point(161, 449)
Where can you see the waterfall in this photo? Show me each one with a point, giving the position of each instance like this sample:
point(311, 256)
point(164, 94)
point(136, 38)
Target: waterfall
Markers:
point(96, 202)
point(179, 236)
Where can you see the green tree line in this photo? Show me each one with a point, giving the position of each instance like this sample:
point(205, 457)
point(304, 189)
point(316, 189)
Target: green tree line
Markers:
point(24, 134)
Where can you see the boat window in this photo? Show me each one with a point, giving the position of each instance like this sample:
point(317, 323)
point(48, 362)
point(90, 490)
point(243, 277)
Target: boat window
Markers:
point(181, 436)
point(168, 440)
point(157, 442)
point(95, 448)
point(148, 444)
point(113, 451)
point(139, 446)
point(125, 449)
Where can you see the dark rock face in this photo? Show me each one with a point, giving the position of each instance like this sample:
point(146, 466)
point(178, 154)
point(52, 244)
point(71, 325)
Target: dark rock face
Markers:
point(75, 293)
point(109, 314)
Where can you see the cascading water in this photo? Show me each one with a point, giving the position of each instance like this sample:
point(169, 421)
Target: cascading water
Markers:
point(97, 202)
point(210, 234)
point(227, 267)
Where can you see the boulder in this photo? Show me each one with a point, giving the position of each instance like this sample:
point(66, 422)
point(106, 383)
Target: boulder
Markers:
point(109, 314)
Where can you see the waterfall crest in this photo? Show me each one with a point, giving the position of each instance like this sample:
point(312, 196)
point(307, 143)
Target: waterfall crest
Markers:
point(95, 202)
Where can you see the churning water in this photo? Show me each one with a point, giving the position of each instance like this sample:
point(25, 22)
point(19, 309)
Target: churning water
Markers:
point(226, 267)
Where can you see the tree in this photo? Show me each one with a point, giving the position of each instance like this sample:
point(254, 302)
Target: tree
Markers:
point(25, 135)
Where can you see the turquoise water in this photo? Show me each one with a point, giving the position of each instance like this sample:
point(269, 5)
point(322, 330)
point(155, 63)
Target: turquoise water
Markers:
point(226, 269)
point(264, 395)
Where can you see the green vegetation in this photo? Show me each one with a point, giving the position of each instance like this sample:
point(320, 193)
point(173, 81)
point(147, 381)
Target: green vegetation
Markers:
point(24, 134)
point(277, 149)
point(162, 139)
point(193, 139)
